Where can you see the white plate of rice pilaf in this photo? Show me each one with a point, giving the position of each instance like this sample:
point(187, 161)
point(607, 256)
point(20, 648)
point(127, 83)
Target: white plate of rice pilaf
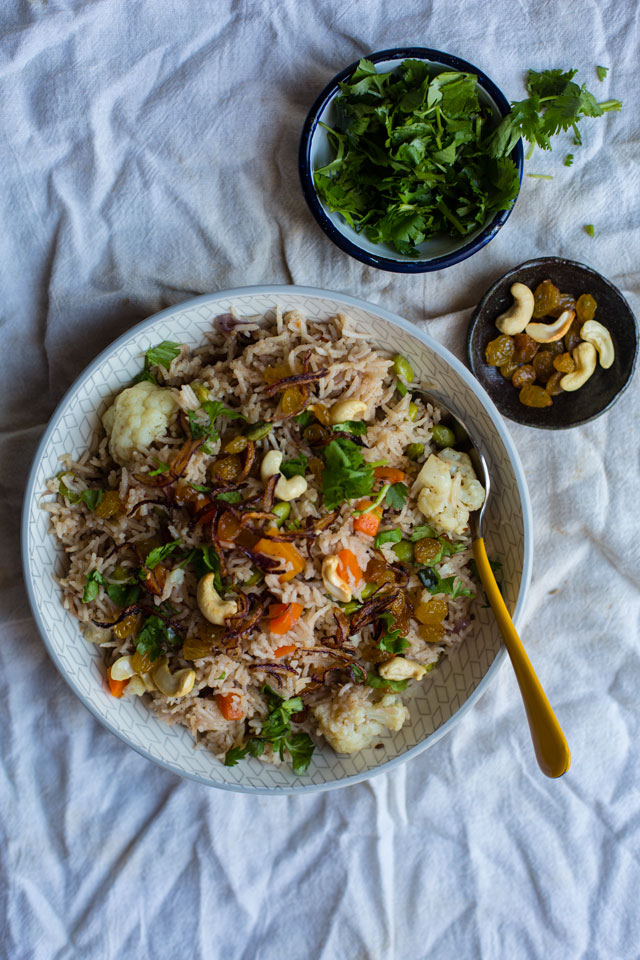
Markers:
point(254, 550)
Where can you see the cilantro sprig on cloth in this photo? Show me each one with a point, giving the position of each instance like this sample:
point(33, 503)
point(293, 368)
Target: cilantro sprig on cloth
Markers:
point(276, 730)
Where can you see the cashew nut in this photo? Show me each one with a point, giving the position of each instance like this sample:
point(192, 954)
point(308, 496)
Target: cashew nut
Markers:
point(122, 669)
point(401, 669)
point(335, 586)
point(548, 332)
point(135, 687)
point(599, 336)
point(177, 684)
point(515, 319)
point(212, 606)
point(93, 634)
point(347, 410)
point(285, 489)
point(584, 357)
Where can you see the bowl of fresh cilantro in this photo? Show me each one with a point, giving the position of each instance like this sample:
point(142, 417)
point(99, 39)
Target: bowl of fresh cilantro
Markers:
point(399, 162)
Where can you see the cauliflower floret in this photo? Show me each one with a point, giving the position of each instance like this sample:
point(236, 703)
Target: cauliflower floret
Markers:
point(350, 722)
point(449, 490)
point(137, 417)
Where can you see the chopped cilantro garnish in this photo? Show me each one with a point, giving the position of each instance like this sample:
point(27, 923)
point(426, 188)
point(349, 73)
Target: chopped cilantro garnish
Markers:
point(276, 730)
point(296, 467)
point(390, 639)
point(230, 496)
point(200, 487)
point(347, 475)
point(421, 532)
point(155, 638)
point(91, 498)
point(163, 354)
point(452, 586)
point(590, 229)
point(92, 586)
point(379, 683)
point(396, 496)
point(122, 594)
point(161, 467)
point(159, 554)
point(388, 536)
point(304, 419)
point(568, 160)
point(355, 427)
point(602, 72)
point(206, 428)
point(207, 561)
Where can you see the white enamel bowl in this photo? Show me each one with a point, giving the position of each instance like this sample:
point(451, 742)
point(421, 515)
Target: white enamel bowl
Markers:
point(437, 703)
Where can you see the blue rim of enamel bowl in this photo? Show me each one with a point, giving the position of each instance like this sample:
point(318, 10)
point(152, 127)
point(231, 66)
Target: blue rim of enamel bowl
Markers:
point(316, 207)
point(30, 566)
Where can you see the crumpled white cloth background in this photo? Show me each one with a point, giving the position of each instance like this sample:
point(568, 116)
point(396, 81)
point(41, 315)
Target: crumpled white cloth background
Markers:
point(148, 153)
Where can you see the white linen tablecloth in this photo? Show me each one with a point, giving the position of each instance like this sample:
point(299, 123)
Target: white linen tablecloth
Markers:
point(148, 153)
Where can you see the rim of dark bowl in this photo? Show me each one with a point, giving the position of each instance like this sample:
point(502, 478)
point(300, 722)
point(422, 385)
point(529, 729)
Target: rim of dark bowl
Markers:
point(306, 175)
point(473, 327)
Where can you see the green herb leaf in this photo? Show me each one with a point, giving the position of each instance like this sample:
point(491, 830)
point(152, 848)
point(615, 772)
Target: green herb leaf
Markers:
point(590, 229)
point(568, 160)
point(388, 536)
point(296, 467)
point(452, 586)
point(300, 747)
point(155, 638)
point(92, 586)
point(347, 475)
point(396, 496)
point(422, 532)
point(276, 730)
point(122, 594)
point(355, 427)
point(160, 553)
point(206, 560)
point(304, 419)
point(162, 467)
point(162, 354)
point(602, 72)
point(206, 428)
point(379, 683)
point(230, 496)
point(390, 639)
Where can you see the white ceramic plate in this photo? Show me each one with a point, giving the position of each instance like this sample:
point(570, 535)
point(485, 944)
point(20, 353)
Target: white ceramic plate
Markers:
point(436, 703)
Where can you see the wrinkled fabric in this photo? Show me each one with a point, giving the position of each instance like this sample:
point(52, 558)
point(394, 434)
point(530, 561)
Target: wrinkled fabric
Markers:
point(148, 153)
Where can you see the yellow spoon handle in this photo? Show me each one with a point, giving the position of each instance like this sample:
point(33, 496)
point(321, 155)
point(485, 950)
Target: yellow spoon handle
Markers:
point(549, 742)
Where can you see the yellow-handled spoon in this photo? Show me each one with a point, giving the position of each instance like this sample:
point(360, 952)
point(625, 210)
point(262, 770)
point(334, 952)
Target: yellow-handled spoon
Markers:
point(549, 742)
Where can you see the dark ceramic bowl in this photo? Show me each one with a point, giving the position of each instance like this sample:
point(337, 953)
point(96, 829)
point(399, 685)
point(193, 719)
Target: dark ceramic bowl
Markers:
point(315, 151)
point(602, 389)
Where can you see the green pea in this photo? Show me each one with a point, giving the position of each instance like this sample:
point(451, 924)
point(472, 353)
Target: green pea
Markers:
point(413, 411)
point(414, 451)
point(282, 509)
point(402, 368)
point(201, 392)
point(443, 436)
point(403, 551)
point(258, 431)
point(368, 589)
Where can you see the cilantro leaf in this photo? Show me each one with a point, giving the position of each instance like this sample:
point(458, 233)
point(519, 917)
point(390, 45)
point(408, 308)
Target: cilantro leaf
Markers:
point(207, 561)
point(155, 638)
point(206, 428)
point(199, 487)
point(356, 427)
point(347, 475)
point(161, 467)
point(163, 354)
point(91, 498)
point(396, 496)
point(92, 586)
point(122, 594)
point(230, 496)
point(602, 72)
point(452, 586)
point(300, 747)
point(304, 419)
point(379, 683)
point(159, 554)
point(388, 536)
point(590, 229)
point(568, 160)
point(421, 532)
point(390, 639)
point(296, 467)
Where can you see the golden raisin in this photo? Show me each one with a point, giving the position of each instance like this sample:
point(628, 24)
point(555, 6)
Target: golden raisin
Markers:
point(533, 396)
point(236, 445)
point(585, 308)
point(228, 527)
point(141, 662)
point(226, 468)
point(434, 610)
point(564, 362)
point(431, 632)
point(315, 434)
point(552, 385)
point(291, 401)
point(195, 648)
point(500, 350)
point(126, 627)
point(321, 413)
point(508, 369)
point(523, 375)
point(317, 468)
point(525, 348)
point(573, 338)
point(109, 506)
point(378, 572)
point(210, 633)
point(546, 297)
point(277, 372)
point(556, 346)
point(426, 550)
point(565, 302)
point(542, 363)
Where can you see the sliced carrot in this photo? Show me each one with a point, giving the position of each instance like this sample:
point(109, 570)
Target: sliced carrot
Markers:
point(349, 566)
point(282, 617)
point(368, 523)
point(283, 551)
point(230, 705)
point(389, 473)
point(116, 687)
point(284, 650)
